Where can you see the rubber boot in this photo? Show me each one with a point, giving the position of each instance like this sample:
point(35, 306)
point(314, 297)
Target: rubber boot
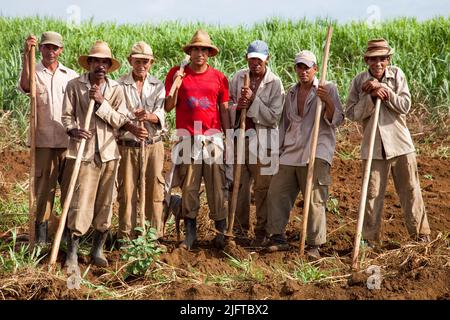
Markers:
point(41, 231)
point(72, 251)
point(98, 240)
point(190, 227)
point(219, 240)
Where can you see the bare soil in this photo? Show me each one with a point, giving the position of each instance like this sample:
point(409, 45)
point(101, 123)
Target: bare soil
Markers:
point(410, 270)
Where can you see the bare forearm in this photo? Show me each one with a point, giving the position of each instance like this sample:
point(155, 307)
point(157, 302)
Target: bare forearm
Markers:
point(224, 116)
point(25, 75)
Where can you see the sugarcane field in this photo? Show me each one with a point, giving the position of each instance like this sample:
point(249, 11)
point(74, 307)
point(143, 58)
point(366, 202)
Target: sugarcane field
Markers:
point(290, 159)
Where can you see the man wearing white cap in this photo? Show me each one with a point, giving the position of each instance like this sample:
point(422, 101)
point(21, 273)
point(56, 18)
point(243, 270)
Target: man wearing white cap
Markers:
point(144, 95)
point(393, 148)
point(51, 139)
point(92, 199)
point(263, 101)
point(296, 126)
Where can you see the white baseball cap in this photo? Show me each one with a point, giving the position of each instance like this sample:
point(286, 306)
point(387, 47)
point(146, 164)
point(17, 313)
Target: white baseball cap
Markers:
point(306, 57)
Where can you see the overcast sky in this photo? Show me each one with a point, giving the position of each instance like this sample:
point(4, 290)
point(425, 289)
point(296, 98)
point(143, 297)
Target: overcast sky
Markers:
point(231, 12)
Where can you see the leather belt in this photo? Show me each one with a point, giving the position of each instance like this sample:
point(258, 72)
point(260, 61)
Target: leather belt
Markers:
point(137, 144)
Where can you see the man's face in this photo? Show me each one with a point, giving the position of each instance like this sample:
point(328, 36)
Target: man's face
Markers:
point(140, 66)
point(98, 67)
point(377, 65)
point(304, 73)
point(256, 66)
point(199, 55)
point(50, 53)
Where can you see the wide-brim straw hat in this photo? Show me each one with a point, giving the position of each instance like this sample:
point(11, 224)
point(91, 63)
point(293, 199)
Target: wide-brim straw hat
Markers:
point(201, 39)
point(100, 49)
point(377, 48)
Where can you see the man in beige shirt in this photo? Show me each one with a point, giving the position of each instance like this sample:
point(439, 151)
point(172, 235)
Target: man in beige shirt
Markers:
point(51, 139)
point(296, 126)
point(393, 149)
point(264, 103)
point(144, 95)
point(93, 195)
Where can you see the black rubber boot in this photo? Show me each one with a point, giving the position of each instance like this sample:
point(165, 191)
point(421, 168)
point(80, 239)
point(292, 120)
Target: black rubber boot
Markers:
point(190, 228)
point(72, 251)
point(98, 240)
point(41, 231)
point(219, 239)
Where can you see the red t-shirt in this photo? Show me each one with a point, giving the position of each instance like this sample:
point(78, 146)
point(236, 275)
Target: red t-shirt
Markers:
point(198, 98)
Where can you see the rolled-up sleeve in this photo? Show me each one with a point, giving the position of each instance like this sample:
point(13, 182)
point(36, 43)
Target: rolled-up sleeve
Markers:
point(338, 115)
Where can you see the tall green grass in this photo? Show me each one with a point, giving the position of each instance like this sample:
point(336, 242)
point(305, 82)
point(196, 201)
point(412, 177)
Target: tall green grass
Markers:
point(422, 50)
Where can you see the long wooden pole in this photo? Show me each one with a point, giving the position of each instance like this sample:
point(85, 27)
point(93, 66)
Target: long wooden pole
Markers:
point(142, 183)
point(365, 185)
point(238, 165)
point(312, 155)
point(73, 180)
point(32, 182)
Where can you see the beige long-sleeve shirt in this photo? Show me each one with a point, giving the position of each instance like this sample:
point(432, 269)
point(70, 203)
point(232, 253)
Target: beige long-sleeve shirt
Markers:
point(50, 88)
point(266, 108)
point(296, 131)
point(392, 133)
point(151, 99)
point(110, 115)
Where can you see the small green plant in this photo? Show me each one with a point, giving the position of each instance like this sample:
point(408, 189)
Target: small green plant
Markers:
point(20, 257)
point(428, 176)
point(333, 205)
point(248, 270)
point(306, 272)
point(141, 253)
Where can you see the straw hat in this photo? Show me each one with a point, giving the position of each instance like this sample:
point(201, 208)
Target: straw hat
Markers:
point(378, 47)
point(201, 39)
point(100, 49)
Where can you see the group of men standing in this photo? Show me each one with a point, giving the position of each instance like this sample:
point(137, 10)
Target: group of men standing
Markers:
point(277, 141)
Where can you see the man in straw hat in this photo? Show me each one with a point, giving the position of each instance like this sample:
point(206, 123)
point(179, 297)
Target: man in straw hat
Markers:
point(297, 122)
point(201, 104)
point(144, 95)
point(393, 149)
point(93, 195)
point(264, 103)
point(51, 139)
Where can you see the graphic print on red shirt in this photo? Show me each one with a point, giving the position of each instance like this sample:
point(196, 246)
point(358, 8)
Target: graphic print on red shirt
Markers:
point(198, 98)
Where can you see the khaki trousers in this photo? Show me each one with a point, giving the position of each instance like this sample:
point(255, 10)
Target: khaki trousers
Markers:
point(283, 191)
point(93, 195)
point(50, 163)
point(214, 176)
point(250, 173)
point(129, 182)
point(406, 181)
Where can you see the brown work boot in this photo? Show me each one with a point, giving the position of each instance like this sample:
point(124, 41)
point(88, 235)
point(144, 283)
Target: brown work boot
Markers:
point(277, 242)
point(313, 252)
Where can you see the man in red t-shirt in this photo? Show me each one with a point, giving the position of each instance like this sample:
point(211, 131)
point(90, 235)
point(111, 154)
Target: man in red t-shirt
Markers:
point(201, 104)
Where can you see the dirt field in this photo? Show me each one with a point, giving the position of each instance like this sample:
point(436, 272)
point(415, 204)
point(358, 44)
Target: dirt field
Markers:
point(409, 270)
